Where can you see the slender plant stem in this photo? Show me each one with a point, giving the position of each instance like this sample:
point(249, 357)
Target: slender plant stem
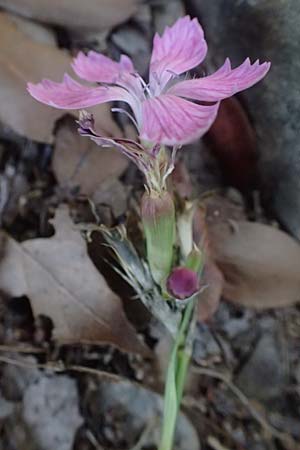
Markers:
point(184, 358)
point(175, 379)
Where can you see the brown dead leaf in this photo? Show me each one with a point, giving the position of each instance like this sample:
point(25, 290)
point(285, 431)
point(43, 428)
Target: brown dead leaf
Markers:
point(212, 279)
point(96, 14)
point(61, 282)
point(260, 264)
point(24, 59)
point(181, 181)
point(78, 161)
point(209, 299)
point(232, 141)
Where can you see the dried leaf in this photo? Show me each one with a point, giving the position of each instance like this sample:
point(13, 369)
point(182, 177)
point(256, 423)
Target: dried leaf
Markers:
point(260, 264)
point(209, 299)
point(181, 181)
point(212, 280)
point(62, 283)
point(97, 14)
point(24, 59)
point(12, 277)
point(78, 161)
point(232, 140)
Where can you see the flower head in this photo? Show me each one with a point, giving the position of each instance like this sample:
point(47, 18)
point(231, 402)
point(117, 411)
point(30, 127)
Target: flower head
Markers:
point(166, 110)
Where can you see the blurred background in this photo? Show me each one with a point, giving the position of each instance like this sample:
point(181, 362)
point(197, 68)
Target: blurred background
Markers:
point(103, 389)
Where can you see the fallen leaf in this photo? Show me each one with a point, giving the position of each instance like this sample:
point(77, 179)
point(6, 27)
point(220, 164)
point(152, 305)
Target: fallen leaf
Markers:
point(260, 264)
point(212, 279)
point(114, 195)
point(181, 181)
point(232, 140)
point(96, 14)
point(62, 282)
point(209, 299)
point(12, 277)
point(78, 161)
point(24, 59)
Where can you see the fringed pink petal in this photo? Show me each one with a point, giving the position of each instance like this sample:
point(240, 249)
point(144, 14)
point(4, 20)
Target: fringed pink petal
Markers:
point(171, 120)
point(96, 67)
point(179, 49)
point(224, 83)
point(72, 95)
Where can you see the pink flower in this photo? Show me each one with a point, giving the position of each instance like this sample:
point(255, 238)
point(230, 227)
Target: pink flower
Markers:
point(167, 110)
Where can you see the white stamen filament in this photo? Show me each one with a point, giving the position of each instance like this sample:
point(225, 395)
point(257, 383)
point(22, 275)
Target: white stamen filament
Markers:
point(144, 84)
point(123, 111)
point(171, 166)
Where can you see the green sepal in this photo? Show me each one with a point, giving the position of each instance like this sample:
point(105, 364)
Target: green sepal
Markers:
point(158, 218)
point(195, 260)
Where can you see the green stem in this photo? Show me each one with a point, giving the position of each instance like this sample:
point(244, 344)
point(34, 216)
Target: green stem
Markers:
point(183, 363)
point(175, 379)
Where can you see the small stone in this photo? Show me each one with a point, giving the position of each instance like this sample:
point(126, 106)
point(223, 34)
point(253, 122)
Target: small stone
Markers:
point(50, 409)
point(6, 407)
point(297, 373)
point(16, 379)
point(237, 325)
point(135, 43)
point(205, 345)
point(166, 13)
point(263, 375)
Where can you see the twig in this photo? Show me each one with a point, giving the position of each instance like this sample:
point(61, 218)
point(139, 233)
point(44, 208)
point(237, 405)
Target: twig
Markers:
point(79, 164)
point(215, 444)
point(92, 439)
point(19, 349)
point(244, 400)
point(60, 367)
point(143, 437)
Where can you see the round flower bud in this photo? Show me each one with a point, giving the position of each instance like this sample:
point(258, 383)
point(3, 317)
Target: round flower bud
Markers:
point(182, 283)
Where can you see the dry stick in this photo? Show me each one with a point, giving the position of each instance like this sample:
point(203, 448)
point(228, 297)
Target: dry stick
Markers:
point(144, 435)
point(79, 165)
point(215, 444)
point(59, 367)
point(92, 439)
point(244, 400)
point(21, 349)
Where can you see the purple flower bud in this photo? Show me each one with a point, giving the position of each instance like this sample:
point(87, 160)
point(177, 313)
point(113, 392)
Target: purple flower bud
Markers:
point(182, 283)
